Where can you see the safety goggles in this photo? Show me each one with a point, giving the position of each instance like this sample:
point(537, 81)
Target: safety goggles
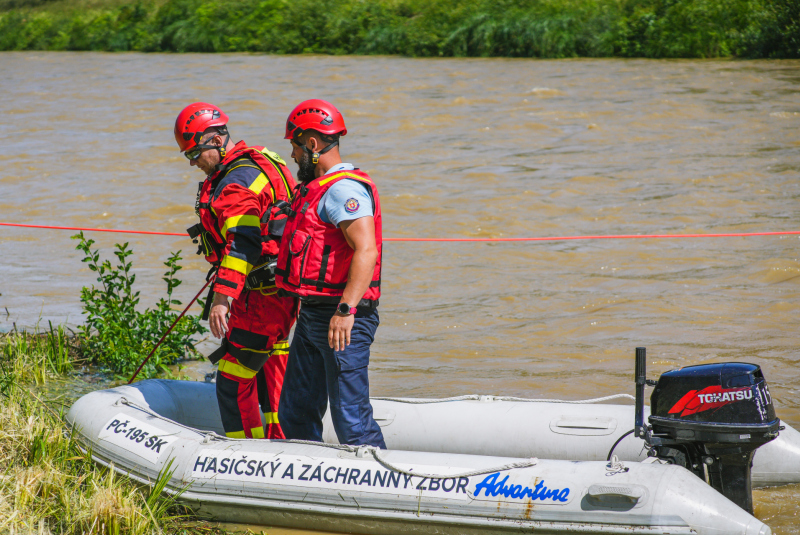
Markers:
point(195, 153)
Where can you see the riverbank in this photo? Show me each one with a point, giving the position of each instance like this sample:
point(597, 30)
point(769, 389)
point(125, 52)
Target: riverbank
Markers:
point(526, 28)
point(49, 484)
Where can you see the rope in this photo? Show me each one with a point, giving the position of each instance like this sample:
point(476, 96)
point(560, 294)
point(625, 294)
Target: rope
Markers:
point(533, 461)
point(174, 323)
point(476, 397)
point(609, 237)
point(95, 229)
point(555, 238)
point(615, 466)
point(358, 450)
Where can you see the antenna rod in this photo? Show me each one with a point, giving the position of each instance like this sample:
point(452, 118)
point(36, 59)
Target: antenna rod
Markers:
point(641, 373)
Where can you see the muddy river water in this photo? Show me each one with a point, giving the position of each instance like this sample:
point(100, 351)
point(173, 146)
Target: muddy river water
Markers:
point(459, 148)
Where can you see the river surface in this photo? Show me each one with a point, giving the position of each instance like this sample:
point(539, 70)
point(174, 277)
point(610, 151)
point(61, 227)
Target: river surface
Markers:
point(460, 148)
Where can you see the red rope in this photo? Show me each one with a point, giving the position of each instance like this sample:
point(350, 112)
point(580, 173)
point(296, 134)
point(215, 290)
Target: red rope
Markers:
point(557, 238)
point(95, 229)
point(174, 323)
point(609, 237)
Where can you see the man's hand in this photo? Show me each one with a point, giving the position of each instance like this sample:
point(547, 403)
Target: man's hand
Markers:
point(218, 317)
point(339, 331)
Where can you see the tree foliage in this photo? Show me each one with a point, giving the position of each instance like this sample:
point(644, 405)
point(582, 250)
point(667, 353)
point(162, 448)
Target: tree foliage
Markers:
point(522, 28)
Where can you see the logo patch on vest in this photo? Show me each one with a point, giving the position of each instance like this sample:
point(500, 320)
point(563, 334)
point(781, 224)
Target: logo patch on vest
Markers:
point(351, 206)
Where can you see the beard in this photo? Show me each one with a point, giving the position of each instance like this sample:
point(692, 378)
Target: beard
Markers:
point(306, 171)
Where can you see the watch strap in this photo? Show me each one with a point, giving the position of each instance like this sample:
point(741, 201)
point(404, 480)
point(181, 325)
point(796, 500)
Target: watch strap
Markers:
point(351, 311)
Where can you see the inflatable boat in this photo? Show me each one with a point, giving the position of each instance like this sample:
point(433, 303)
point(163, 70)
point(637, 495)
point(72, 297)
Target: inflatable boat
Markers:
point(443, 473)
point(586, 430)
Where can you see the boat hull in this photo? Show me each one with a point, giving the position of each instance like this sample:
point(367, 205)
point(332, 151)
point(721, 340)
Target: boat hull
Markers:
point(141, 429)
point(550, 430)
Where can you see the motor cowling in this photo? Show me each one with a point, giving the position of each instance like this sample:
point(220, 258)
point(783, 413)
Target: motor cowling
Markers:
point(710, 419)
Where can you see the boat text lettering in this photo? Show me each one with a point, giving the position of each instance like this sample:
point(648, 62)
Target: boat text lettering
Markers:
point(492, 487)
point(337, 473)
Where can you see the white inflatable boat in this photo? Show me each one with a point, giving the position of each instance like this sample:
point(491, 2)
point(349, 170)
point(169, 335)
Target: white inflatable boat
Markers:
point(463, 479)
point(548, 429)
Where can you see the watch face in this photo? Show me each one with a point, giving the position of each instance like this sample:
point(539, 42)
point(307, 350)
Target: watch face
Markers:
point(344, 308)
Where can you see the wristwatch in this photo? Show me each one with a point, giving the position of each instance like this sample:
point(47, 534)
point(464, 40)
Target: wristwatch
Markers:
point(347, 310)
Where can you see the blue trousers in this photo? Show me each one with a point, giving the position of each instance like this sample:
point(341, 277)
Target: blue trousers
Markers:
point(316, 374)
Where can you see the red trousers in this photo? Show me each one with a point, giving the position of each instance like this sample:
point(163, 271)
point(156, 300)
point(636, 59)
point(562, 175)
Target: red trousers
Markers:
point(251, 373)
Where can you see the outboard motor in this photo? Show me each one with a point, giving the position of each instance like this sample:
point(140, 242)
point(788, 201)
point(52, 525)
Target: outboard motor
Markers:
point(710, 419)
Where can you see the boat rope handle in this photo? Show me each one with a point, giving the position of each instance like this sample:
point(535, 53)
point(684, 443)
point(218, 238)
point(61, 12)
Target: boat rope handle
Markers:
point(533, 461)
point(358, 450)
point(476, 397)
point(555, 238)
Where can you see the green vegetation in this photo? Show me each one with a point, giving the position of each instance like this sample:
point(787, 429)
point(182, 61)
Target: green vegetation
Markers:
point(49, 484)
point(514, 28)
point(120, 337)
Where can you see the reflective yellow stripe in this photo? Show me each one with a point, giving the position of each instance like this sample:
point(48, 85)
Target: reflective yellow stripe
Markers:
point(241, 221)
point(272, 156)
point(236, 369)
point(236, 264)
point(280, 348)
point(245, 164)
point(236, 434)
point(343, 173)
point(257, 432)
point(278, 169)
point(258, 184)
point(271, 417)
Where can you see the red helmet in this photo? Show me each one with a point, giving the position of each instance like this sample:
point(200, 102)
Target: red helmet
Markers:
point(315, 114)
point(194, 120)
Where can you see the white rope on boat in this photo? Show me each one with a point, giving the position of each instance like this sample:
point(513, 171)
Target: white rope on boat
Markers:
point(358, 450)
point(533, 461)
point(476, 397)
point(615, 466)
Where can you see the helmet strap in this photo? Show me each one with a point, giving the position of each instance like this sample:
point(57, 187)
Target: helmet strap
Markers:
point(315, 155)
point(222, 151)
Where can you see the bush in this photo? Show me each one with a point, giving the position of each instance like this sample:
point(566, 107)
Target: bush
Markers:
point(119, 336)
point(518, 28)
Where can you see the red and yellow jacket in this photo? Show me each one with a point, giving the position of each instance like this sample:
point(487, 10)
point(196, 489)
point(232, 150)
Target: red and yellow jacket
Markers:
point(240, 224)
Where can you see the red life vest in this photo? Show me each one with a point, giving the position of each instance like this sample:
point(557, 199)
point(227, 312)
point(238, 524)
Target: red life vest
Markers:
point(277, 187)
point(314, 257)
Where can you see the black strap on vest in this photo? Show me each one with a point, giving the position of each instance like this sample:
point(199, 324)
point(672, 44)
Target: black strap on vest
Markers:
point(207, 305)
point(323, 267)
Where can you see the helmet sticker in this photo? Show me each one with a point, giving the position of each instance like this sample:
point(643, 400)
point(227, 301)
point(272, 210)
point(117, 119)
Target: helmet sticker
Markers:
point(351, 206)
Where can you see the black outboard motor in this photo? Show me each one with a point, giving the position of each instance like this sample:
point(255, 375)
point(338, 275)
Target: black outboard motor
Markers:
point(709, 419)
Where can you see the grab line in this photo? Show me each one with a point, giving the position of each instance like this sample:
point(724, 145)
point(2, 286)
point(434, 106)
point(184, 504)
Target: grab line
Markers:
point(555, 238)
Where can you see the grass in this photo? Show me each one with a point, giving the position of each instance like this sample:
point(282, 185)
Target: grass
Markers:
point(513, 28)
point(48, 483)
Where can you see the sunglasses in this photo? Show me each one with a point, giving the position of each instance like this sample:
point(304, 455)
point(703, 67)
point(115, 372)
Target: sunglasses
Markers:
point(195, 153)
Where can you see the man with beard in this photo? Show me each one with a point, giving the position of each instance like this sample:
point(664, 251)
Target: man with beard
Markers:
point(331, 259)
point(240, 227)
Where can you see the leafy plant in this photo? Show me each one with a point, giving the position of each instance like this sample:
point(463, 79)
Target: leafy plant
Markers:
point(118, 335)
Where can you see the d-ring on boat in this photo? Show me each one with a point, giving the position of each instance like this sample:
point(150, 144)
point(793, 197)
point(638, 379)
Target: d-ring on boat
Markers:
point(137, 429)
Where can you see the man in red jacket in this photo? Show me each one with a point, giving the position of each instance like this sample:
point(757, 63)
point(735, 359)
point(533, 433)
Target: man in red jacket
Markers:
point(240, 227)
